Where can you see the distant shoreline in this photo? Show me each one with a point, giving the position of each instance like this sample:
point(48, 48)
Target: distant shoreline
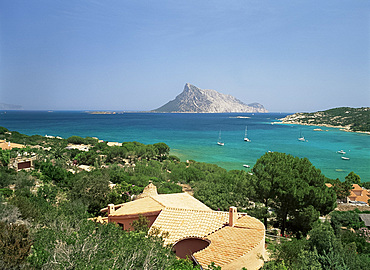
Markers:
point(342, 128)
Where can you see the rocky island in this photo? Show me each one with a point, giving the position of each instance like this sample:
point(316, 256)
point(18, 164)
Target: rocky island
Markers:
point(196, 100)
point(346, 118)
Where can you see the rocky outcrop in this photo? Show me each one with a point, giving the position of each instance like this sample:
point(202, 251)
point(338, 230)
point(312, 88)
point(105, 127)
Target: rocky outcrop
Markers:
point(196, 100)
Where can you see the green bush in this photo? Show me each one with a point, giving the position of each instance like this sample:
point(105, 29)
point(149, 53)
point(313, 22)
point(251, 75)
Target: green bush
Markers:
point(347, 219)
point(15, 245)
point(76, 140)
point(6, 192)
point(3, 130)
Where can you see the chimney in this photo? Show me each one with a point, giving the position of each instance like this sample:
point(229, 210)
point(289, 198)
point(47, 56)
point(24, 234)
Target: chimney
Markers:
point(110, 208)
point(233, 215)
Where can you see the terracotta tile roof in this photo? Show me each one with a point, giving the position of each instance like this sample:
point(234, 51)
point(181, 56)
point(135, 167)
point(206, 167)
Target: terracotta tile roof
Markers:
point(137, 207)
point(249, 222)
point(182, 216)
point(364, 197)
point(328, 184)
point(180, 200)
point(229, 244)
point(175, 200)
point(356, 187)
point(183, 223)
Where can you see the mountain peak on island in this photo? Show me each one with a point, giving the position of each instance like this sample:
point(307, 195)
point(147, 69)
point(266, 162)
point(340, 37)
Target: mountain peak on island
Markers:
point(196, 100)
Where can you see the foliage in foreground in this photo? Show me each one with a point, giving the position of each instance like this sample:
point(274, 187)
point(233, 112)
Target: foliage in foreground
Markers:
point(63, 238)
point(322, 250)
point(53, 205)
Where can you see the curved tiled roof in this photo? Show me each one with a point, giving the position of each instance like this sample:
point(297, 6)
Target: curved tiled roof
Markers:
point(231, 243)
point(181, 216)
point(227, 244)
point(184, 223)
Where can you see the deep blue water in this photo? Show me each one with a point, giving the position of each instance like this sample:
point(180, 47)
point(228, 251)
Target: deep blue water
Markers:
point(194, 136)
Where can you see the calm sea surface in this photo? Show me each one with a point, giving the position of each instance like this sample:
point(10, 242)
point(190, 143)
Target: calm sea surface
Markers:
point(194, 136)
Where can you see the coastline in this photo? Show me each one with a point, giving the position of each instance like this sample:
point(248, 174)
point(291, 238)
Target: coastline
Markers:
point(342, 128)
point(194, 136)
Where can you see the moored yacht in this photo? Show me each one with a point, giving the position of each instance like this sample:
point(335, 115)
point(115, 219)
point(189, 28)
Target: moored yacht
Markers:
point(219, 142)
point(245, 135)
point(301, 137)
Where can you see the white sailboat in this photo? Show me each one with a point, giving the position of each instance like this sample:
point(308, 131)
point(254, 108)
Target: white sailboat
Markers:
point(219, 142)
point(245, 135)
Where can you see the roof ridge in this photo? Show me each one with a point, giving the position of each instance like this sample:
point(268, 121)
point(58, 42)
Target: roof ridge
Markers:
point(197, 210)
point(157, 200)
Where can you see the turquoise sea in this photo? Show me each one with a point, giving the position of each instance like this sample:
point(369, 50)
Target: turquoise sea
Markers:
point(194, 136)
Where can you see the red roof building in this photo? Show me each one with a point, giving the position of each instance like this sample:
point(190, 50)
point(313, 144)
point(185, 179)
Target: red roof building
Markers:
point(229, 239)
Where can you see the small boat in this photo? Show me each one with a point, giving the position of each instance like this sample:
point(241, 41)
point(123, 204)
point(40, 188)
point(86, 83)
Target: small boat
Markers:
point(341, 152)
point(345, 158)
point(219, 142)
point(246, 166)
point(245, 135)
point(301, 137)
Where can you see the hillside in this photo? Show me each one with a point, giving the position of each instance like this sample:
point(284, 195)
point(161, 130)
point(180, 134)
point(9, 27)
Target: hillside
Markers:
point(350, 119)
point(196, 100)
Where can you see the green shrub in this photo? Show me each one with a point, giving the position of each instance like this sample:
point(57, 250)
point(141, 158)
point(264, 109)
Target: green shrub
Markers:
point(15, 245)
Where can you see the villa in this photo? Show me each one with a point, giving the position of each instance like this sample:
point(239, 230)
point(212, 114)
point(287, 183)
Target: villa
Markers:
point(231, 240)
point(358, 195)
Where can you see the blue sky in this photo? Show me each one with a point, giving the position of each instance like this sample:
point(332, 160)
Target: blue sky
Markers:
point(290, 56)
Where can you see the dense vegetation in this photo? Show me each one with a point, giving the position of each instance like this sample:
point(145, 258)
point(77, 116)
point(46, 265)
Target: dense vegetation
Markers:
point(358, 119)
point(328, 246)
point(44, 213)
point(294, 188)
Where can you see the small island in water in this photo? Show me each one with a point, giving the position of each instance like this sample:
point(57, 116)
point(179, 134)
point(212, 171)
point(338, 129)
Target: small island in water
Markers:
point(196, 100)
point(346, 118)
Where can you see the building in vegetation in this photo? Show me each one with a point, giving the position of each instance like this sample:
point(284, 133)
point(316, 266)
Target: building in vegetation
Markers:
point(4, 145)
point(231, 240)
point(358, 194)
